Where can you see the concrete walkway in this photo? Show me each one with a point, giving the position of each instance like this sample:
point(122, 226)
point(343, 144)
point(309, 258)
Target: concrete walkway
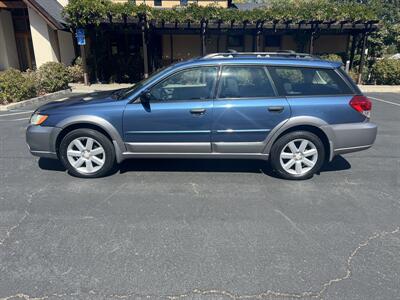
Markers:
point(380, 88)
point(81, 88)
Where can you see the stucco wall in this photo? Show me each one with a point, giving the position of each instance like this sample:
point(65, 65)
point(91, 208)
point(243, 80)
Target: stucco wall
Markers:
point(67, 50)
point(63, 2)
point(184, 46)
point(43, 41)
point(331, 44)
point(8, 48)
point(323, 44)
point(187, 46)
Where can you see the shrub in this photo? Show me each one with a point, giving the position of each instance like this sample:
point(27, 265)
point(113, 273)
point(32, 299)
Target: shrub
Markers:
point(75, 73)
point(16, 86)
point(386, 71)
point(332, 57)
point(53, 76)
point(353, 75)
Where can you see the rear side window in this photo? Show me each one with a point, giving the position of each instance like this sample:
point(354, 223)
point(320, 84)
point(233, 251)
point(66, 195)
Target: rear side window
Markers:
point(292, 81)
point(245, 82)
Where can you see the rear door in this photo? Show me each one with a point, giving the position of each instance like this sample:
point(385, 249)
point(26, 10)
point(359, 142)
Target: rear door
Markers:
point(316, 92)
point(246, 109)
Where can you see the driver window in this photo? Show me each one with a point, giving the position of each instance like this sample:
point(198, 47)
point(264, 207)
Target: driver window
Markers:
point(190, 84)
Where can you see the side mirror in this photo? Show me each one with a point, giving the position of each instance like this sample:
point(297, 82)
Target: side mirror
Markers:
point(145, 97)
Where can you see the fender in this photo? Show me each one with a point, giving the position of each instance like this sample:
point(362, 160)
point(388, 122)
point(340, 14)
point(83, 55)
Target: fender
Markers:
point(117, 141)
point(300, 121)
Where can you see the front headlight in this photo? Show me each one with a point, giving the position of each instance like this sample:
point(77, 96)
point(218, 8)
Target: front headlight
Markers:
point(38, 119)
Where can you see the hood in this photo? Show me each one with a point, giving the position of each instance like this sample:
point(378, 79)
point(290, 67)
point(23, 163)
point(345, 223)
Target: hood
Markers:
point(81, 100)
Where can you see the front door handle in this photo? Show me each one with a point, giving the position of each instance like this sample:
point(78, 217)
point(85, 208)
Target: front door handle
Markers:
point(198, 111)
point(275, 108)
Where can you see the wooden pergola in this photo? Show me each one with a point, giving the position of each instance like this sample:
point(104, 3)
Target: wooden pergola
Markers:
point(313, 29)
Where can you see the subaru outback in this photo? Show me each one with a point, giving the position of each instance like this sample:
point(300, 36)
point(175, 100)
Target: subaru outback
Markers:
point(294, 110)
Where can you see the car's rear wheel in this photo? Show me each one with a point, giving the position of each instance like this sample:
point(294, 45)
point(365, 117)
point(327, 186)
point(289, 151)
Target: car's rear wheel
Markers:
point(87, 153)
point(297, 155)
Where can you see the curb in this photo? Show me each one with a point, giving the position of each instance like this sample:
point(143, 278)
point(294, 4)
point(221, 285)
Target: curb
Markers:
point(36, 100)
point(83, 91)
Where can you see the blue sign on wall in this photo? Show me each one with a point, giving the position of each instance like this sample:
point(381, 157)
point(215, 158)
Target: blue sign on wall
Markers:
point(80, 36)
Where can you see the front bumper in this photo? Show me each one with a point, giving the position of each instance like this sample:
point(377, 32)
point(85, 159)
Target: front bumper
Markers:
point(353, 137)
point(41, 140)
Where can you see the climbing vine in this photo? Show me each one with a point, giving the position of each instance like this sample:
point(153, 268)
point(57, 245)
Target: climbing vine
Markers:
point(80, 13)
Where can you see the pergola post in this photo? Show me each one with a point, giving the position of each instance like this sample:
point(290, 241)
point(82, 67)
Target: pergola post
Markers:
point(312, 38)
point(218, 35)
point(171, 42)
point(145, 54)
point(84, 65)
point(353, 49)
point(96, 42)
point(203, 37)
point(258, 36)
point(362, 61)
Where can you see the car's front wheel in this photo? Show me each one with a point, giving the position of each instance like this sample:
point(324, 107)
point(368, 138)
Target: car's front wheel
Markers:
point(297, 155)
point(87, 153)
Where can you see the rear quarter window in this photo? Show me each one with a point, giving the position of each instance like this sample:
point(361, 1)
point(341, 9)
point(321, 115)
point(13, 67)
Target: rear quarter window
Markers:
point(297, 81)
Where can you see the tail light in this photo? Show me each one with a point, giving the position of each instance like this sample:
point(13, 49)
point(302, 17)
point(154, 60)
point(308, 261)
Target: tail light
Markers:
point(361, 104)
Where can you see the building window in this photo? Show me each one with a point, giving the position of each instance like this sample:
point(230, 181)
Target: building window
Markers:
point(157, 2)
point(273, 41)
point(235, 41)
point(184, 2)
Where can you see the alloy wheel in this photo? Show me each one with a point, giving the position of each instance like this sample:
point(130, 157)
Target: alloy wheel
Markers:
point(86, 155)
point(298, 156)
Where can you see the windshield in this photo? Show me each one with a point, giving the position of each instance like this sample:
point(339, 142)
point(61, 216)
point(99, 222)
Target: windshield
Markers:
point(124, 93)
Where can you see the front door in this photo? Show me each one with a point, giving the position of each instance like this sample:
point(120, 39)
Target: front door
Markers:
point(178, 116)
point(246, 110)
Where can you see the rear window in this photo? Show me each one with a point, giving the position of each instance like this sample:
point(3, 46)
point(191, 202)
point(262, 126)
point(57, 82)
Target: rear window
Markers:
point(294, 81)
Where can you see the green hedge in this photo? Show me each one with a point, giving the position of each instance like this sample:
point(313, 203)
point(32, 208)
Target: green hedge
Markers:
point(332, 57)
point(80, 13)
point(16, 86)
point(52, 77)
point(386, 71)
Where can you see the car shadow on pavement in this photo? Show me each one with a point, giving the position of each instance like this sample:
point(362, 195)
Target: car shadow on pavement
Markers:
point(197, 165)
point(216, 165)
point(51, 164)
point(339, 163)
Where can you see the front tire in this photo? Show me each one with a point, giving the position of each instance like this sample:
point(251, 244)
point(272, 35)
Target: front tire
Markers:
point(87, 153)
point(297, 155)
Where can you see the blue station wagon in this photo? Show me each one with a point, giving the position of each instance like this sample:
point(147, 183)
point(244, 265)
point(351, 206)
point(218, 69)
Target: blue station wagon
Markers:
point(292, 109)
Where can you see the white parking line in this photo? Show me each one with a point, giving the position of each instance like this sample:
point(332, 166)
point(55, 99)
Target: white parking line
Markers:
point(20, 119)
point(11, 120)
point(17, 113)
point(389, 102)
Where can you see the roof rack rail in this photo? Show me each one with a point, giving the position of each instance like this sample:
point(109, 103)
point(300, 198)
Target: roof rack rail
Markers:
point(283, 53)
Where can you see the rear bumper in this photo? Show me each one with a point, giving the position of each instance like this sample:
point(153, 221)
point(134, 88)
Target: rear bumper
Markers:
point(346, 138)
point(41, 140)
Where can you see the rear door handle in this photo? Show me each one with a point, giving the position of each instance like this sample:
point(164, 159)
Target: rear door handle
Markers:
point(275, 108)
point(198, 111)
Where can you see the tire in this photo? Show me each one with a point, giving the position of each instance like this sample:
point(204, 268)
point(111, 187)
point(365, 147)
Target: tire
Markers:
point(297, 163)
point(93, 157)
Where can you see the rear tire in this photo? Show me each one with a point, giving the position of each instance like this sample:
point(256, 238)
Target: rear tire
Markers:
point(87, 153)
point(297, 155)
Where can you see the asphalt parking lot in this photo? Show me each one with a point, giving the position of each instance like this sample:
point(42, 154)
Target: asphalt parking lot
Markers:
point(201, 229)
